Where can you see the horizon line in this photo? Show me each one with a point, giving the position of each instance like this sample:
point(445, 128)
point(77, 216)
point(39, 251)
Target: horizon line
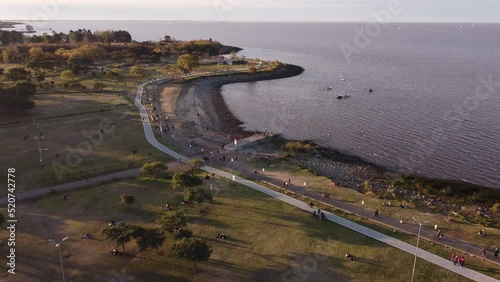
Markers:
point(258, 21)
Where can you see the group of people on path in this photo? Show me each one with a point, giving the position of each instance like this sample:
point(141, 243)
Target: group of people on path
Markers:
point(319, 214)
point(457, 260)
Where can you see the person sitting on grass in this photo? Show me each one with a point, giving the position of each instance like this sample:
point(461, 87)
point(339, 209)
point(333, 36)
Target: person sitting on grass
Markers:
point(349, 256)
point(220, 236)
point(85, 236)
point(115, 252)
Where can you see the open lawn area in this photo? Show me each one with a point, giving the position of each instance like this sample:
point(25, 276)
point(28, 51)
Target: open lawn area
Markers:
point(267, 240)
point(76, 148)
point(458, 228)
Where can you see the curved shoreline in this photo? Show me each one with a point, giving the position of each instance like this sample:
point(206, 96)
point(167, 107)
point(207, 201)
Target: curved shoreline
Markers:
point(351, 170)
point(220, 117)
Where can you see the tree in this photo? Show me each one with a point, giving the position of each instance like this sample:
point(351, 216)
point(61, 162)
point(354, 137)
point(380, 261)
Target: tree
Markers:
point(137, 71)
point(16, 74)
point(127, 199)
point(25, 88)
point(99, 86)
point(121, 233)
point(183, 178)
point(194, 249)
point(40, 77)
point(149, 238)
point(154, 169)
point(187, 62)
point(196, 165)
point(198, 195)
point(174, 222)
point(78, 60)
point(67, 74)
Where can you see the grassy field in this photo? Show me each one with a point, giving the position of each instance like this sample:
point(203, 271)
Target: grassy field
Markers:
point(70, 121)
point(459, 228)
point(268, 240)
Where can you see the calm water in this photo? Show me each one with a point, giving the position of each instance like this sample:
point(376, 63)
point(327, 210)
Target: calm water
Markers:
point(430, 112)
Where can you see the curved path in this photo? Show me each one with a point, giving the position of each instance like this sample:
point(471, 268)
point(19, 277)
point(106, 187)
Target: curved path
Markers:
point(444, 263)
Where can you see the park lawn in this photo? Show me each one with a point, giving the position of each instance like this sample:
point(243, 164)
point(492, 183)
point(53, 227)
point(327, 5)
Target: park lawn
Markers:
point(267, 240)
point(459, 228)
point(63, 136)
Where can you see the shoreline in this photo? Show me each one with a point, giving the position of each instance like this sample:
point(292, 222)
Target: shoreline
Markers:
point(219, 117)
point(347, 170)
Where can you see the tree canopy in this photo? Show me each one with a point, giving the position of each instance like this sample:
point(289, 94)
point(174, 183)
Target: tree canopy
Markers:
point(174, 222)
point(154, 169)
point(121, 233)
point(187, 62)
point(149, 238)
point(137, 71)
point(193, 249)
point(196, 165)
point(198, 195)
point(16, 74)
point(183, 178)
point(128, 199)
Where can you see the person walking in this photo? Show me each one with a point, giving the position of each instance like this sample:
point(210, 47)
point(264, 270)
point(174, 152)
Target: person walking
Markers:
point(376, 212)
point(496, 252)
point(483, 252)
point(461, 261)
point(453, 258)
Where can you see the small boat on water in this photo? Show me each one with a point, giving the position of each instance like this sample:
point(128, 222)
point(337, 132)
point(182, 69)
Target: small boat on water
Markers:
point(370, 90)
point(328, 88)
point(343, 96)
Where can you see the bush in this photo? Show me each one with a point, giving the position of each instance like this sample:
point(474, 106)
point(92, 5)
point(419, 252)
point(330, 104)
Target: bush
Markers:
point(299, 147)
point(74, 84)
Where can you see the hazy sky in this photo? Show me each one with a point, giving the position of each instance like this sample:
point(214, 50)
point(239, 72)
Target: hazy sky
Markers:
point(250, 10)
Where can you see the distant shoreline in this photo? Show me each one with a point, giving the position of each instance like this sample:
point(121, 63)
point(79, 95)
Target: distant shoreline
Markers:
point(8, 24)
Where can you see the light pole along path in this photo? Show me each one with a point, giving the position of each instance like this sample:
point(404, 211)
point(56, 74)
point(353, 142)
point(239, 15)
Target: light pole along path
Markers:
point(444, 263)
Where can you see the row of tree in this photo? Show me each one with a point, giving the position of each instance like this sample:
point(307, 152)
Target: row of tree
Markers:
point(170, 223)
point(74, 36)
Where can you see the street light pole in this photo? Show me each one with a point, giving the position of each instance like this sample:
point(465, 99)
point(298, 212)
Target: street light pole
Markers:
point(58, 246)
point(211, 177)
point(40, 150)
point(416, 249)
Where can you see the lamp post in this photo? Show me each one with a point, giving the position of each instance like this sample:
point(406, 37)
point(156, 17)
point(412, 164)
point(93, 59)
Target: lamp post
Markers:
point(58, 246)
point(40, 149)
point(416, 249)
point(211, 177)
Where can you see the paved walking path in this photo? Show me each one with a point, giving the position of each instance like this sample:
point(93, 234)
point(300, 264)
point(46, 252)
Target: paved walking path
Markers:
point(445, 263)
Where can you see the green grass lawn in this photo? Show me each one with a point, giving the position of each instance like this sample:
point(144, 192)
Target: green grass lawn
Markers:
point(267, 240)
point(459, 228)
point(63, 116)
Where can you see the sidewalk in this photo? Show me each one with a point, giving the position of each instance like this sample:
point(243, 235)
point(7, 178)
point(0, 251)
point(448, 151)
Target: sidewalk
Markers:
point(368, 214)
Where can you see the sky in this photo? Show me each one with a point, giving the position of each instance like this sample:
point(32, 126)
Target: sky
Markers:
point(253, 10)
